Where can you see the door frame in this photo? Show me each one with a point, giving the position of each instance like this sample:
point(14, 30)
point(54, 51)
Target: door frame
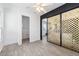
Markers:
point(46, 26)
point(20, 36)
point(29, 26)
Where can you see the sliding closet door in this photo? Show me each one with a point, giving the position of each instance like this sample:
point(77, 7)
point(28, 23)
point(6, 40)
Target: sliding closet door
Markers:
point(54, 29)
point(70, 29)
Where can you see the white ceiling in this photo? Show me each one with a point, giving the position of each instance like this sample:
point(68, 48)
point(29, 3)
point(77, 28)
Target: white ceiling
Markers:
point(48, 8)
point(52, 6)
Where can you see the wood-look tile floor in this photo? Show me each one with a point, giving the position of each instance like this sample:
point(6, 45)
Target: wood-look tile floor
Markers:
point(38, 48)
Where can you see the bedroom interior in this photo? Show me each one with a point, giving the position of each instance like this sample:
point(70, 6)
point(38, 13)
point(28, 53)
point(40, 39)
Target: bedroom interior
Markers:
point(38, 29)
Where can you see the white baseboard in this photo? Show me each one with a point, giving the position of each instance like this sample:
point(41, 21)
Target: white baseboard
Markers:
point(9, 43)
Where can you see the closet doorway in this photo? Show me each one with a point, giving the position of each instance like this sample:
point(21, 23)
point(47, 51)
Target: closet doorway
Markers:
point(25, 29)
point(44, 29)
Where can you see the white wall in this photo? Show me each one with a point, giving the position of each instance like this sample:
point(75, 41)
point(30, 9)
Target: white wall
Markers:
point(13, 25)
point(25, 27)
point(1, 25)
point(34, 24)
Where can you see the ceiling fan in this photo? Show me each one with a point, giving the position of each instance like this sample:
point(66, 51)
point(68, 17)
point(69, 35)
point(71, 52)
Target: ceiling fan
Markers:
point(40, 7)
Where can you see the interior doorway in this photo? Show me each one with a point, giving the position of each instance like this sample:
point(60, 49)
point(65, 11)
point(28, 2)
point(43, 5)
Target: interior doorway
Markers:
point(25, 28)
point(44, 29)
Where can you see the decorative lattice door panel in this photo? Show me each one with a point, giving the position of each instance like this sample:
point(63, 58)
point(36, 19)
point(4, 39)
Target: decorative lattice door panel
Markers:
point(70, 29)
point(54, 29)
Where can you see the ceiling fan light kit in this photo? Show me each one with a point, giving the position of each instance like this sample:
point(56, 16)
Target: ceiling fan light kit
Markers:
point(39, 7)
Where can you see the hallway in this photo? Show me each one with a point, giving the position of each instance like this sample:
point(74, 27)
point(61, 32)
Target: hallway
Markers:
point(38, 48)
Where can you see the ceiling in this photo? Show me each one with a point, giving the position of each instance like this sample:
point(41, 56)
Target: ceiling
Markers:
point(52, 6)
point(49, 7)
